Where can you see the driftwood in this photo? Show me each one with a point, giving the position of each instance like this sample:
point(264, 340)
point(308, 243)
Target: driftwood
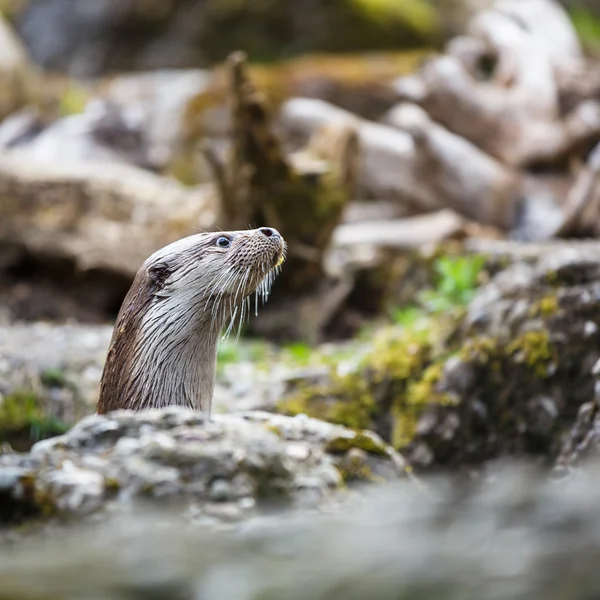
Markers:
point(498, 85)
point(18, 79)
point(419, 163)
point(582, 210)
point(513, 92)
point(100, 216)
point(406, 234)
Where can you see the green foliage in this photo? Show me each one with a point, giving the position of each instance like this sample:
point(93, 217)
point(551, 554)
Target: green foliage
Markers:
point(457, 280)
point(407, 317)
point(299, 353)
point(587, 26)
point(230, 352)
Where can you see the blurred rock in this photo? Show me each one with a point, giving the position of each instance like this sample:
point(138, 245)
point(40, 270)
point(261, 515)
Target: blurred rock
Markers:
point(514, 536)
point(102, 133)
point(524, 365)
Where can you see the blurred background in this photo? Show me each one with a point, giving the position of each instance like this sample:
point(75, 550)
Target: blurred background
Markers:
point(434, 168)
point(422, 159)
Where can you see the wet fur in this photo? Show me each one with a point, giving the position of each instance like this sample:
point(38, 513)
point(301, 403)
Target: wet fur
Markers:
point(164, 345)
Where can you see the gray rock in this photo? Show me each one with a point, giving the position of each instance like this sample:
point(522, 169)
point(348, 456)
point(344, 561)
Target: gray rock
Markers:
point(227, 467)
point(102, 133)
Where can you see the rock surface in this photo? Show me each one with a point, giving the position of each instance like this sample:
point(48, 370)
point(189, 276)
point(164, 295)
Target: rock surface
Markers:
point(227, 467)
point(517, 536)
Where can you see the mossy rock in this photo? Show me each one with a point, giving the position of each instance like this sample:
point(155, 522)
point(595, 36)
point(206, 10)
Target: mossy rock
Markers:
point(386, 385)
point(505, 379)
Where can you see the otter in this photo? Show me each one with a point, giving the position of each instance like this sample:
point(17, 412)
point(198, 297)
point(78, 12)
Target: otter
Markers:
point(163, 349)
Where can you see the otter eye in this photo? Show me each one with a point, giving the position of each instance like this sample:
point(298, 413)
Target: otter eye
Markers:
point(223, 242)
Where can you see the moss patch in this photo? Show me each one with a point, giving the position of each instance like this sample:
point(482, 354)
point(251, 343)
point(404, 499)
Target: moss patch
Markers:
point(363, 440)
point(533, 348)
point(396, 375)
point(545, 307)
point(23, 420)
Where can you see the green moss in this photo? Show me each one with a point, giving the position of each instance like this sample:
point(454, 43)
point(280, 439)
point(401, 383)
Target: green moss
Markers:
point(363, 440)
point(422, 390)
point(404, 426)
point(356, 469)
point(419, 14)
point(345, 400)
point(587, 26)
point(74, 99)
point(53, 378)
point(545, 307)
point(350, 399)
point(23, 420)
point(273, 429)
point(534, 349)
point(397, 371)
point(18, 410)
point(531, 348)
point(399, 355)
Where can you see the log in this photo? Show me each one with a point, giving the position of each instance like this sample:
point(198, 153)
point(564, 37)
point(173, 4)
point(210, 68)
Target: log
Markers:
point(100, 216)
point(498, 85)
point(418, 163)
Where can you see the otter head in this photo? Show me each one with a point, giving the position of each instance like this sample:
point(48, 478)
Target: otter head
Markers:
point(164, 345)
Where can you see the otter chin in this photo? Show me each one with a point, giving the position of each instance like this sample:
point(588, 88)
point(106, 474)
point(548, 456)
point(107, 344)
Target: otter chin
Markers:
point(163, 349)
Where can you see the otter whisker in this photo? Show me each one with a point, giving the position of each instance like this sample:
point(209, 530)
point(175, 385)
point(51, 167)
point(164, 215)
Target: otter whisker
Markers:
point(220, 284)
point(244, 305)
point(238, 304)
point(228, 331)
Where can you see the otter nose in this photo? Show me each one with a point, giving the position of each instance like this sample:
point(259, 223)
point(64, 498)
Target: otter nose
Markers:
point(269, 232)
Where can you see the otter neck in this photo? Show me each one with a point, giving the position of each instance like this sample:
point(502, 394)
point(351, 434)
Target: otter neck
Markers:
point(177, 360)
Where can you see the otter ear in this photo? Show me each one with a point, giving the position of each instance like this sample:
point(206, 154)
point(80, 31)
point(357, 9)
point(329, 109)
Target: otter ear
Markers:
point(158, 274)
